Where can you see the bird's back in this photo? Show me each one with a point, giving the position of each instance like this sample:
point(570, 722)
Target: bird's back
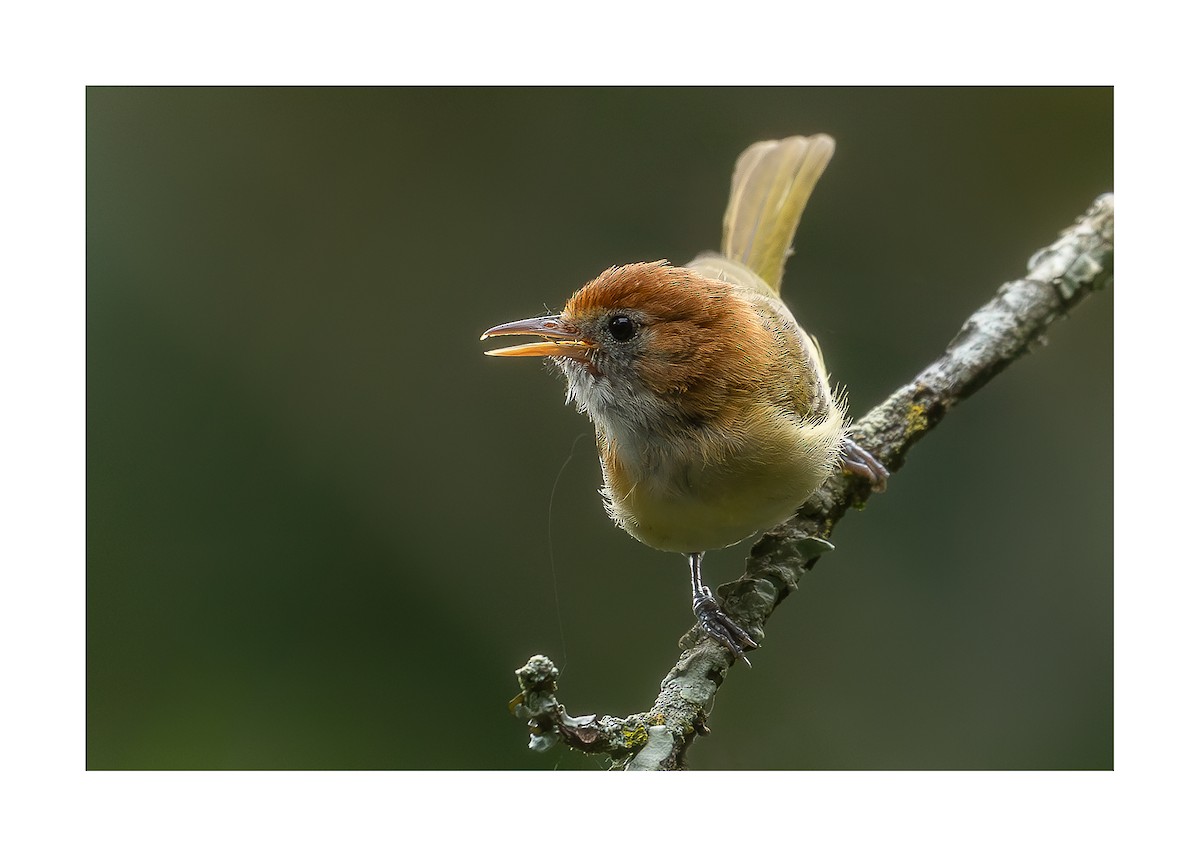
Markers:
point(772, 183)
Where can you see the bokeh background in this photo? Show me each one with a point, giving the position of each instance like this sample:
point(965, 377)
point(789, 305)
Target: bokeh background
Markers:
point(320, 531)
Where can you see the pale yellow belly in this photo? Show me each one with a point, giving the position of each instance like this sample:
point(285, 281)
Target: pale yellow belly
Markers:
point(704, 508)
point(690, 524)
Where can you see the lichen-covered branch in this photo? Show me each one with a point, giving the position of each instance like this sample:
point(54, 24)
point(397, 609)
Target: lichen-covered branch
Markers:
point(1058, 278)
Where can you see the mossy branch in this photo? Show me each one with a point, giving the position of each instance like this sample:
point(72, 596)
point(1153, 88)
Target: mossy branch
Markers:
point(1005, 328)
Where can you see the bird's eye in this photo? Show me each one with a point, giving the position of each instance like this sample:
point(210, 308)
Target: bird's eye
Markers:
point(622, 328)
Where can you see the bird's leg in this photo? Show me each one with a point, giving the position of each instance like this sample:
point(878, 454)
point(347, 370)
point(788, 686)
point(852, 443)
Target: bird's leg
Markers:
point(861, 463)
point(714, 622)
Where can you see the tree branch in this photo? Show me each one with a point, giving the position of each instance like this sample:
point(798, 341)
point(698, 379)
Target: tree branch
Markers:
point(1005, 328)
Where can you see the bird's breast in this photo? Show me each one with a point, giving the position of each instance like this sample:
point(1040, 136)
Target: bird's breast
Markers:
point(712, 489)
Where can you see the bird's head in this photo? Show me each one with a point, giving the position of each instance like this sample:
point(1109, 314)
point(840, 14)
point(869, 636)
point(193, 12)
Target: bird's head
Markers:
point(649, 345)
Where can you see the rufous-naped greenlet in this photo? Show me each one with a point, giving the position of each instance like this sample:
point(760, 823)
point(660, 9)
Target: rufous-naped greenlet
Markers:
point(713, 411)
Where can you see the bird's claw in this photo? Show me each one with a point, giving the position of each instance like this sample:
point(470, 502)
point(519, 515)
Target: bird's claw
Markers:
point(720, 627)
point(857, 460)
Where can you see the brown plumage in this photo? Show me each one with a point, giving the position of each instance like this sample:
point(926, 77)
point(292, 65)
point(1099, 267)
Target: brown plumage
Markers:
point(715, 420)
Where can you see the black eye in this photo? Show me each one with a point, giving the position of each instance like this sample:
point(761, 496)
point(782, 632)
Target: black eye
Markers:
point(622, 328)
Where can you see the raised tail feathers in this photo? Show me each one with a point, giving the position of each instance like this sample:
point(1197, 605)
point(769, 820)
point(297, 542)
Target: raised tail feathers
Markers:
point(772, 182)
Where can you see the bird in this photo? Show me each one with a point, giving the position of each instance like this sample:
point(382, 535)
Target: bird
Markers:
point(714, 415)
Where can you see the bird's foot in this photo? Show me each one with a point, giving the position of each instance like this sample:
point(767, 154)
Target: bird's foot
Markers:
point(863, 464)
point(720, 627)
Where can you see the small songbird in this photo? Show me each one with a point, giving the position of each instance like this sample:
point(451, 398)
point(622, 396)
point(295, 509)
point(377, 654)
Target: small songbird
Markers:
point(713, 412)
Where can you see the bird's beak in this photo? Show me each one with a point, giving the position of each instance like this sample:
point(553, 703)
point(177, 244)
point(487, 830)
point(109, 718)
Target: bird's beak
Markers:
point(561, 339)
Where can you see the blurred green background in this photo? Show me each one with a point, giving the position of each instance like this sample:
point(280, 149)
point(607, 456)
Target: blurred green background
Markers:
point(319, 521)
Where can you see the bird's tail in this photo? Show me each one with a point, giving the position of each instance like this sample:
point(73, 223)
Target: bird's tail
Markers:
point(772, 182)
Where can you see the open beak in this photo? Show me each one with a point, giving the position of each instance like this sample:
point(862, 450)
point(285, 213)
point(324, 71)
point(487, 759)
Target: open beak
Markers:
point(561, 339)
